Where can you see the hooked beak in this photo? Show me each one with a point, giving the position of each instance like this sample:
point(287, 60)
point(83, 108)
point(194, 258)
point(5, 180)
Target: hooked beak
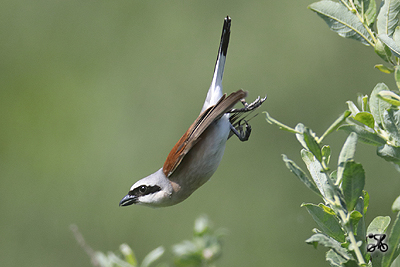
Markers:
point(128, 200)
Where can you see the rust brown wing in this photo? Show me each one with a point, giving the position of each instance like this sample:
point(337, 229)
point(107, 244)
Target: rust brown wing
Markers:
point(190, 138)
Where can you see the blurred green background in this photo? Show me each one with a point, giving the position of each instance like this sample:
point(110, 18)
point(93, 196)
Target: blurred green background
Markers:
point(94, 94)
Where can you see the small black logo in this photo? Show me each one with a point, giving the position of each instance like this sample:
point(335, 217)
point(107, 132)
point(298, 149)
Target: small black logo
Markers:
point(383, 247)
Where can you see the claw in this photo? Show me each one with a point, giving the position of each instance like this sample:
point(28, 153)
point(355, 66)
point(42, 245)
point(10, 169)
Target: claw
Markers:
point(249, 107)
point(243, 131)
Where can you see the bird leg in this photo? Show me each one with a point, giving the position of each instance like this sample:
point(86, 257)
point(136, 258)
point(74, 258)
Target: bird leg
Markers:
point(238, 128)
point(243, 130)
point(248, 107)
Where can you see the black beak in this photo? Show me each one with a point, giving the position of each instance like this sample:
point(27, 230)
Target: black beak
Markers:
point(128, 200)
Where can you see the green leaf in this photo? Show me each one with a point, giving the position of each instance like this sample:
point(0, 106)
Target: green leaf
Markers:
point(396, 35)
point(347, 153)
point(328, 223)
point(352, 107)
point(353, 183)
point(202, 225)
point(389, 42)
point(152, 256)
point(365, 118)
point(326, 209)
point(394, 242)
point(391, 123)
point(335, 259)
point(369, 11)
point(377, 105)
point(326, 154)
point(294, 168)
point(397, 70)
point(320, 178)
point(300, 128)
point(389, 153)
point(355, 216)
point(312, 144)
point(366, 201)
point(335, 125)
point(186, 252)
point(390, 96)
point(382, 51)
point(362, 101)
point(128, 254)
point(281, 126)
point(384, 69)
point(378, 225)
point(351, 263)
point(396, 205)
point(387, 20)
point(342, 21)
point(364, 135)
point(358, 221)
point(329, 242)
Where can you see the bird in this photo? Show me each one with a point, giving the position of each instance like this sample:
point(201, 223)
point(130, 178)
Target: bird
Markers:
point(198, 153)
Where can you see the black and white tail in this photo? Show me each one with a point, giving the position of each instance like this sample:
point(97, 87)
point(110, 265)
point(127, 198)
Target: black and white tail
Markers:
point(215, 91)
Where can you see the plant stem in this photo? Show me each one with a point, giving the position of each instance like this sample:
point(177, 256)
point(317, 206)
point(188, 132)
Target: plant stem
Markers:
point(353, 241)
point(353, 7)
point(356, 248)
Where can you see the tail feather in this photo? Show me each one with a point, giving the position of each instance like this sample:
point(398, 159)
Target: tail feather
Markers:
point(215, 91)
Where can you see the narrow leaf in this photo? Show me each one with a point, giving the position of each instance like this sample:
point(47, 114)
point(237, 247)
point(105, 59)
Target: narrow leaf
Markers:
point(364, 135)
point(363, 100)
point(128, 254)
point(391, 123)
point(384, 69)
point(366, 201)
point(320, 178)
point(394, 242)
point(312, 144)
point(342, 21)
point(328, 223)
point(396, 35)
point(376, 104)
point(389, 42)
point(152, 256)
point(389, 153)
point(335, 259)
point(397, 69)
point(282, 126)
point(294, 168)
point(352, 107)
point(390, 96)
point(396, 205)
point(353, 183)
point(369, 11)
point(382, 51)
point(359, 223)
point(336, 124)
point(300, 128)
point(329, 242)
point(346, 154)
point(387, 20)
point(326, 154)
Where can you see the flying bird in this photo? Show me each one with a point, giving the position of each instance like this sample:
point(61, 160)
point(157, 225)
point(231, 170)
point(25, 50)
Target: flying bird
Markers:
point(197, 154)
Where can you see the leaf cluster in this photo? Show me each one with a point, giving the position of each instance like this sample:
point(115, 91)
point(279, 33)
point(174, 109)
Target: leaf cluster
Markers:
point(341, 218)
point(376, 121)
point(203, 250)
point(363, 21)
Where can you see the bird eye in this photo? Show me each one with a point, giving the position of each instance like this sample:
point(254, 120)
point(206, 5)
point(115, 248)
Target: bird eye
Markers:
point(143, 189)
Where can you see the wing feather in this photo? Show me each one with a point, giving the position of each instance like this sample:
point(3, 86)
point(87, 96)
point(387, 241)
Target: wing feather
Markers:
point(191, 136)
